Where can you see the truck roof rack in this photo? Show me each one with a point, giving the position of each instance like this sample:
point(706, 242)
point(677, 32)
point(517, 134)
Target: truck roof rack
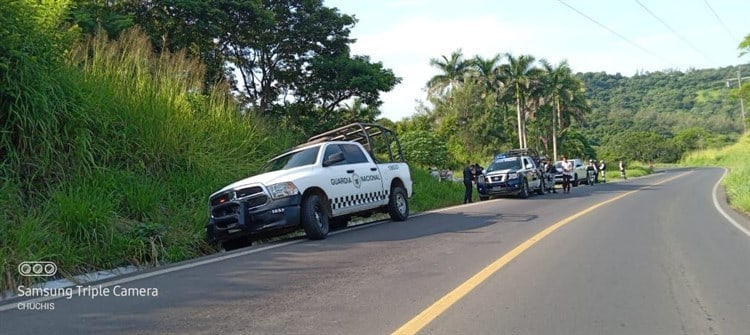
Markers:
point(363, 133)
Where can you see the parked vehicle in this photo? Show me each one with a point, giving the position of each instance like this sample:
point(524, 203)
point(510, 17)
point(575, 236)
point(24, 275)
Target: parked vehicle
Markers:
point(579, 172)
point(319, 184)
point(511, 175)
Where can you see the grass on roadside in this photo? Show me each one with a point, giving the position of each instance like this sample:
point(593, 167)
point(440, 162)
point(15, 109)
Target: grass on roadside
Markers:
point(737, 159)
point(430, 193)
point(632, 170)
point(112, 162)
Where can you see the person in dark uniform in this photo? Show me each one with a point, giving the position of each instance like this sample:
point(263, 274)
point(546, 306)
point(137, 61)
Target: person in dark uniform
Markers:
point(549, 172)
point(469, 172)
point(477, 172)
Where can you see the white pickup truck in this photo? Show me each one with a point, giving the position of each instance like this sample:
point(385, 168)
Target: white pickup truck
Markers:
point(317, 185)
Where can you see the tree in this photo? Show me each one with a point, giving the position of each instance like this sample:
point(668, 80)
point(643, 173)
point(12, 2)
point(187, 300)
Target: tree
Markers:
point(519, 75)
point(272, 54)
point(91, 15)
point(334, 79)
point(641, 146)
point(424, 148)
point(744, 46)
point(452, 73)
point(557, 84)
point(487, 73)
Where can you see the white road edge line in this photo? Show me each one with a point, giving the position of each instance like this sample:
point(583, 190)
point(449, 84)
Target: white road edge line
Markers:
point(721, 210)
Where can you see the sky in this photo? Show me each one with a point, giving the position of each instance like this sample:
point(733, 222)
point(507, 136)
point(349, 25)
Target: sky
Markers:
point(631, 36)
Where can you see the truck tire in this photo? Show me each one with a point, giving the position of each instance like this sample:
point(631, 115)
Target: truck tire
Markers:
point(398, 205)
point(314, 217)
point(524, 190)
point(484, 198)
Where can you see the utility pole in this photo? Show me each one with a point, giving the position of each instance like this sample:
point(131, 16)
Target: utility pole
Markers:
point(739, 80)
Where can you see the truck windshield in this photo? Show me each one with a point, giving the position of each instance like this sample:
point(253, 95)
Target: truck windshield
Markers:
point(505, 164)
point(292, 160)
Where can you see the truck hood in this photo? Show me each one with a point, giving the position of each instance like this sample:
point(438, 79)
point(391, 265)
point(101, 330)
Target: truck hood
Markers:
point(500, 172)
point(268, 178)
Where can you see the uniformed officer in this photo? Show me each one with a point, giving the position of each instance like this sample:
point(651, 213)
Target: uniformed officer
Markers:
point(469, 172)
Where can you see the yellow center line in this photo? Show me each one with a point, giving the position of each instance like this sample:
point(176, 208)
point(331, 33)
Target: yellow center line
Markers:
point(441, 305)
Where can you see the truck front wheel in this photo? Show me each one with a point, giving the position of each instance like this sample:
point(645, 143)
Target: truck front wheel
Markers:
point(398, 205)
point(314, 217)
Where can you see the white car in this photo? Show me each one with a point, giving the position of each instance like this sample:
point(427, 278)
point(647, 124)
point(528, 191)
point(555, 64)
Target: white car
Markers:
point(579, 172)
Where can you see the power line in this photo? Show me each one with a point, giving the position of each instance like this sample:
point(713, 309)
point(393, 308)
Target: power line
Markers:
point(731, 36)
point(617, 34)
point(676, 33)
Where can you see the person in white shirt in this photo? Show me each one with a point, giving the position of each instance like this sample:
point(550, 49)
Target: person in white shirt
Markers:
point(567, 167)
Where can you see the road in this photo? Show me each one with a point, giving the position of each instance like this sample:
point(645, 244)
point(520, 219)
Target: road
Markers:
point(644, 256)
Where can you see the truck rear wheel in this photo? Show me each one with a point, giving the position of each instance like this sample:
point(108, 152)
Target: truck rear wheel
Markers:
point(314, 217)
point(398, 205)
point(524, 190)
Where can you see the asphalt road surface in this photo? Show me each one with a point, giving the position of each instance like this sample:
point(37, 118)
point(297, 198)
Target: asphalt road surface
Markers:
point(650, 255)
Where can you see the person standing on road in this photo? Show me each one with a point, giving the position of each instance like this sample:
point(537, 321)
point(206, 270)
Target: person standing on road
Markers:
point(603, 170)
point(622, 170)
point(468, 180)
point(549, 172)
point(591, 173)
point(567, 167)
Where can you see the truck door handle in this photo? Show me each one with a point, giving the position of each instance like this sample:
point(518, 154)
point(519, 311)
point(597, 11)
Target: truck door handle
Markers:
point(373, 169)
point(349, 171)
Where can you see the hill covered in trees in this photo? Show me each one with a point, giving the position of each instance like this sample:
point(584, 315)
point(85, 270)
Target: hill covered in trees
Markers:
point(695, 108)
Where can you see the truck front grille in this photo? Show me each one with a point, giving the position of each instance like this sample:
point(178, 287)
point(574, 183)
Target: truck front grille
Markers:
point(257, 201)
point(244, 192)
point(223, 211)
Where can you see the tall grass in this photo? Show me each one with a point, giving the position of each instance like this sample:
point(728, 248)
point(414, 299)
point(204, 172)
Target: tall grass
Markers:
point(429, 193)
point(111, 154)
point(737, 159)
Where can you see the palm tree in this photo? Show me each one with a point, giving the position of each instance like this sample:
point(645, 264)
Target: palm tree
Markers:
point(487, 73)
point(558, 85)
point(453, 70)
point(565, 93)
point(519, 74)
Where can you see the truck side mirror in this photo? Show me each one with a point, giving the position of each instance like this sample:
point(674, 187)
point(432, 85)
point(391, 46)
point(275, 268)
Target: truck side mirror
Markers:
point(333, 159)
point(529, 166)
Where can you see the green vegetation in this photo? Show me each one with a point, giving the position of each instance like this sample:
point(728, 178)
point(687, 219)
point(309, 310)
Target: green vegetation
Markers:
point(632, 170)
point(292, 56)
point(111, 150)
point(483, 106)
point(429, 193)
point(735, 158)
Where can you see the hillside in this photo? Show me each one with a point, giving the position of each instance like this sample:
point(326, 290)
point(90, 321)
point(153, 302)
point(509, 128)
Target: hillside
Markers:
point(661, 102)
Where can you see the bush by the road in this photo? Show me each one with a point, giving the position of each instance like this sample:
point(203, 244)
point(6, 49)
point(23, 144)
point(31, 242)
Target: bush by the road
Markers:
point(737, 159)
